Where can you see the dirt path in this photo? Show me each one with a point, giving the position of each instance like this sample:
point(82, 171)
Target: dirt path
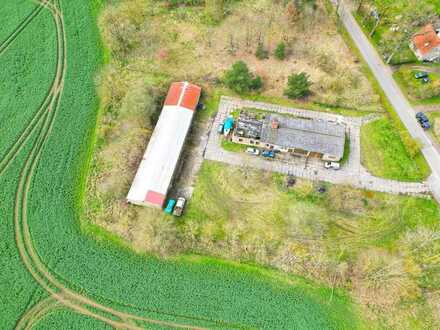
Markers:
point(57, 291)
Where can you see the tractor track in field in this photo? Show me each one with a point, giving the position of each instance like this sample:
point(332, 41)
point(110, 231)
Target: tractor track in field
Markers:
point(33, 123)
point(37, 312)
point(59, 292)
point(11, 38)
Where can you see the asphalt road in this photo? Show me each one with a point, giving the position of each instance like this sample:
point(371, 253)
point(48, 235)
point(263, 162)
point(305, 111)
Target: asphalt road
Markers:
point(383, 74)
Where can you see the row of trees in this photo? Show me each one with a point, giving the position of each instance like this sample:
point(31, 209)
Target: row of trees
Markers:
point(242, 81)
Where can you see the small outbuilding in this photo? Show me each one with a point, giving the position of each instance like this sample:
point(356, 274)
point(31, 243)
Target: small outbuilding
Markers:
point(426, 44)
point(161, 159)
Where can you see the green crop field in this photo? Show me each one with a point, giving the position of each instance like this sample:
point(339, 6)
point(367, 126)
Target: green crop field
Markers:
point(51, 65)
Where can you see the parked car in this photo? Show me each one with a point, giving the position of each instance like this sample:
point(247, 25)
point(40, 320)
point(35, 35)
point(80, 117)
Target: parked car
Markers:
point(170, 206)
point(421, 74)
point(426, 80)
point(423, 120)
point(332, 165)
point(268, 154)
point(220, 128)
point(180, 205)
point(253, 151)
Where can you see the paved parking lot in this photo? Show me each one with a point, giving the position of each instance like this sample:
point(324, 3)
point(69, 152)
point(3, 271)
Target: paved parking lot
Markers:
point(351, 173)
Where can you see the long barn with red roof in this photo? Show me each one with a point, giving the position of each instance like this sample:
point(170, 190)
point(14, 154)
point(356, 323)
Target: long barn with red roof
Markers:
point(160, 161)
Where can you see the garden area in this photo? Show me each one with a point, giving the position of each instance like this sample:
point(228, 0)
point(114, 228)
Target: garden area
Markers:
point(391, 24)
point(420, 90)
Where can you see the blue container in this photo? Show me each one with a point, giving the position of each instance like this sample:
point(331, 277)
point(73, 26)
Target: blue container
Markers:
point(170, 206)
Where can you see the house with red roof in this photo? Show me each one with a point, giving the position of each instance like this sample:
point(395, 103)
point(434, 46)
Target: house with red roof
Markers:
point(426, 44)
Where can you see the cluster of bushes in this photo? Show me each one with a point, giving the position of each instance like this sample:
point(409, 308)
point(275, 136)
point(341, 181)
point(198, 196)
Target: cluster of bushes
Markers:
point(280, 52)
point(242, 81)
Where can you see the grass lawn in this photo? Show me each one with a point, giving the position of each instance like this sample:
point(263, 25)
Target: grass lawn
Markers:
point(232, 146)
point(417, 91)
point(384, 154)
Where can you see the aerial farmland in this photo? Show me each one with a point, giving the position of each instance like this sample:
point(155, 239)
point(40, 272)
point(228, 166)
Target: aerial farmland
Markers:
point(206, 164)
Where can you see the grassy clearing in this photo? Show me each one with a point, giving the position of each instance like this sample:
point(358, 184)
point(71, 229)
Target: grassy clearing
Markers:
point(384, 154)
point(248, 215)
point(417, 91)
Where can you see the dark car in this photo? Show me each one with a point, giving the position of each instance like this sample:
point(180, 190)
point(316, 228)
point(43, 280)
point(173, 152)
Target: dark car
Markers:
point(421, 74)
point(423, 120)
point(268, 154)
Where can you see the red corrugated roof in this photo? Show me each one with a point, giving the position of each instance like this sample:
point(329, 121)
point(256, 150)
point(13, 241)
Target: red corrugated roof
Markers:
point(191, 97)
point(155, 198)
point(426, 40)
point(174, 93)
point(183, 94)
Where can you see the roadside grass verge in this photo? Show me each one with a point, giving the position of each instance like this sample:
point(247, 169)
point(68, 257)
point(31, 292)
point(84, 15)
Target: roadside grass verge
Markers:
point(385, 155)
point(434, 118)
point(411, 146)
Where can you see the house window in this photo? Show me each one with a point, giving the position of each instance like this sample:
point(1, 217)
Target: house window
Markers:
point(257, 143)
point(240, 140)
point(267, 145)
point(251, 141)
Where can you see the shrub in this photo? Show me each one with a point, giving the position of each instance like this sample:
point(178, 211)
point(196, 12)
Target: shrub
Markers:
point(280, 51)
point(298, 85)
point(261, 53)
point(240, 79)
point(257, 83)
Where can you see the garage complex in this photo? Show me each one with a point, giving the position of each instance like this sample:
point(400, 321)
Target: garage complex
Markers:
point(161, 159)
